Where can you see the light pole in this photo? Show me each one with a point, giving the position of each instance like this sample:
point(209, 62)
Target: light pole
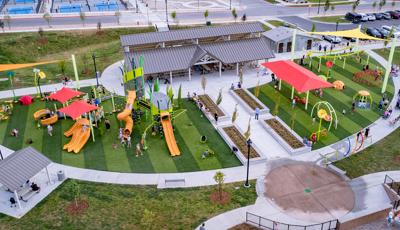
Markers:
point(95, 69)
point(319, 4)
point(166, 10)
point(249, 142)
point(337, 25)
point(147, 7)
point(37, 79)
point(230, 4)
point(137, 10)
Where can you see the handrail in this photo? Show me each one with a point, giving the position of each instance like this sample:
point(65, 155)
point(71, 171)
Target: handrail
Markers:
point(263, 222)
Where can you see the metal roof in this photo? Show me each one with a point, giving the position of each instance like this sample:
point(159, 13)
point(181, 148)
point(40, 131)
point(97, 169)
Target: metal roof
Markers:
point(282, 33)
point(187, 34)
point(21, 166)
point(239, 50)
point(183, 57)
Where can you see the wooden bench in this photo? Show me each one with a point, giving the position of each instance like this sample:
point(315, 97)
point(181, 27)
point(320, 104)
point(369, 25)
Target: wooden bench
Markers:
point(26, 193)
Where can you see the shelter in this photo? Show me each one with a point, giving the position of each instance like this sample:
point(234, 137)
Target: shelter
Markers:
point(353, 33)
point(280, 40)
point(64, 94)
point(301, 79)
point(77, 109)
point(21, 166)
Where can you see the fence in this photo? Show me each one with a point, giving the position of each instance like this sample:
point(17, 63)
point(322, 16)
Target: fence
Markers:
point(265, 223)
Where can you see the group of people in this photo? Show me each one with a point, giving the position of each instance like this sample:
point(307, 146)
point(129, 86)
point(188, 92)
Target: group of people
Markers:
point(202, 107)
point(126, 140)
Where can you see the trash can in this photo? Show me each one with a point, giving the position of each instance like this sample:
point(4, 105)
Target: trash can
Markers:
point(61, 175)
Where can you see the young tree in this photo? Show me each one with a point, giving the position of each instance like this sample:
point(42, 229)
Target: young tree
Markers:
point(41, 32)
point(47, 18)
point(257, 89)
point(74, 190)
point(234, 14)
point(374, 4)
point(244, 18)
point(355, 5)
point(248, 131)
point(386, 41)
point(156, 86)
point(206, 13)
point(313, 27)
point(99, 28)
point(333, 7)
point(118, 16)
point(219, 99)
point(327, 5)
point(62, 67)
point(7, 20)
point(219, 178)
point(203, 83)
point(180, 95)
point(147, 221)
point(235, 114)
point(82, 16)
point(241, 76)
point(2, 25)
point(275, 112)
point(173, 16)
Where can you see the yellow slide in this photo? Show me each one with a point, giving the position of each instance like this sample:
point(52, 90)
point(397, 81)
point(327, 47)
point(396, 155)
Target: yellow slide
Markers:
point(41, 115)
point(80, 135)
point(126, 114)
point(169, 134)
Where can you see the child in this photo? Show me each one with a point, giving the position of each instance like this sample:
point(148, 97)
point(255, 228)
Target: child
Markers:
point(129, 141)
point(50, 130)
point(138, 150)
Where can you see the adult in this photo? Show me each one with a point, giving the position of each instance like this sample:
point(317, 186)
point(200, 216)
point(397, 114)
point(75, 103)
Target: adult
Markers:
point(107, 123)
point(353, 106)
point(257, 113)
point(128, 139)
point(233, 87)
point(366, 132)
point(216, 118)
point(138, 150)
point(35, 187)
point(50, 130)
point(273, 77)
point(13, 203)
point(202, 227)
point(239, 85)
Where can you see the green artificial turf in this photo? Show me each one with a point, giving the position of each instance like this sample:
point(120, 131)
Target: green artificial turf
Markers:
point(350, 123)
point(130, 207)
point(106, 153)
point(382, 156)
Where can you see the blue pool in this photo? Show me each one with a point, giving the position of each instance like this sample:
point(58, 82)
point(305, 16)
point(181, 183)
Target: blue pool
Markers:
point(111, 6)
point(20, 10)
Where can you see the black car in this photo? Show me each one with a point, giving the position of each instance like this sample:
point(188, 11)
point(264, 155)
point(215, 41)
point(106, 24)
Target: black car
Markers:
point(353, 17)
point(374, 33)
point(378, 16)
point(383, 32)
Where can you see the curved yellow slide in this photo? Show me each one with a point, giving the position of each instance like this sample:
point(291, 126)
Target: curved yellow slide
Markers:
point(169, 134)
point(125, 115)
point(79, 135)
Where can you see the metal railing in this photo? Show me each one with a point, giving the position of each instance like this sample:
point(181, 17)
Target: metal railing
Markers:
point(391, 182)
point(265, 223)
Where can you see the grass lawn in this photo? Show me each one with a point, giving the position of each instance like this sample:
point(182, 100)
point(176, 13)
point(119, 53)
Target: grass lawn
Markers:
point(101, 155)
point(385, 53)
point(123, 207)
point(350, 123)
point(276, 23)
point(32, 47)
point(331, 19)
point(382, 156)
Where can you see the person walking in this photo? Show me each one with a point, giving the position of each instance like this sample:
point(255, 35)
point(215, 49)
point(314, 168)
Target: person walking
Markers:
point(216, 118)
point(128, 140)
point(353, 106)
point(366, 132)
point(273, 77)
point(138, 150)
point(203, 226)
point(50, 130)
point(257, 113)
point(293, 102)
point(107, 123)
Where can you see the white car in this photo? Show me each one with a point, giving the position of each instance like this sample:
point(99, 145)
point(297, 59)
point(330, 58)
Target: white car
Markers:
point(396, 30)
point(364, 17)
point(371, 17)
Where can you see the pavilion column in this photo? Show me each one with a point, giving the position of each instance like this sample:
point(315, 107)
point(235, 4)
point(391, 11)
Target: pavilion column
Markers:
point(48, 175)
point(220, 69)
point(308, 92)
point(280, 84)
point(293, 43)
point(292, 95)
point(91, 126)
point(389, 64)
point(17, 199)
point(190, 74)
point(170, 77)
point(237, 68)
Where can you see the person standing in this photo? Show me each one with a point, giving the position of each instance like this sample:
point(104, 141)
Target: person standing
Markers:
point(353, 106)
point(107, 123)
point(293, 102)
point(50, 130)
point(366, 132)
point(273, 77)
point(202, 227)
point(128, 140)
point(138, 150)
point(257, 113)
point(216, 118)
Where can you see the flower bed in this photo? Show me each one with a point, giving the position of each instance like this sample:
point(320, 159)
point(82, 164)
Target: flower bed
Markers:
point(210, 104)
point(239, 141)
point(368, 77)
point(286, 135)
point(253, 104)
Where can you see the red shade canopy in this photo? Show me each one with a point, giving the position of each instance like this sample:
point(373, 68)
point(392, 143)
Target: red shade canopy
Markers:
point(64, 94)
point(297, 76)
point(77, 108)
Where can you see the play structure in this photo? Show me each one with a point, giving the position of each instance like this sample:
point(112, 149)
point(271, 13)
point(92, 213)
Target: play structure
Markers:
point(125, 115)
point(45, 116)
point(338, 85)
point(363, 99)
point(325, 112)
point(80, 133)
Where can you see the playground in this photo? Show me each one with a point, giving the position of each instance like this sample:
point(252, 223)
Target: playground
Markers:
point(107, 152)
point(339, 99)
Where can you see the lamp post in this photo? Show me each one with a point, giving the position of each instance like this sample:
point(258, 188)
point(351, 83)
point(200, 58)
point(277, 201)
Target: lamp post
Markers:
point(37, 79)
point(249, 142)
point(95, 69)
point(337, 25)
point(230, 4)
point(166, 10)
point(137, 10)
point(319, 4)
point(147, 8)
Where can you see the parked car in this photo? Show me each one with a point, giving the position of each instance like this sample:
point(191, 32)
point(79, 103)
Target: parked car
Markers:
point(378, 16)
point(386, 16)
point(371, 17)
point(383, 32)
point(332, 39)
point(364, 17)
point(396, 30)
point(353, 17)
point(350, 39)
point(373, 32)
point(394, 14)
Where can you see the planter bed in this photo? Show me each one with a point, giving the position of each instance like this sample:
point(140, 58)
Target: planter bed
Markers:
point(249, 101)
point(289, 140)
point(213, 107)
point(239, 141)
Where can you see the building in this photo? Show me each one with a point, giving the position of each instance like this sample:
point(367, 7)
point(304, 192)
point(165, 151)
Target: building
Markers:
point(280, 40)
point(200, 50)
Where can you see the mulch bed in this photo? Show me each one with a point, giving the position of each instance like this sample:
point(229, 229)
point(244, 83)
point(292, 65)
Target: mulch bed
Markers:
point(217, 199)
point(74, 209)
point(368, 77)
point(283, 132)
point(245, 226)
point(239, 141)
point(210, 104)
point(248, 99)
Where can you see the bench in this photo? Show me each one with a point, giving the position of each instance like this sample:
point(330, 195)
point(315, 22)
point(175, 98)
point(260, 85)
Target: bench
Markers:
point(173, 183)
point(336, 169)
point(26, 193)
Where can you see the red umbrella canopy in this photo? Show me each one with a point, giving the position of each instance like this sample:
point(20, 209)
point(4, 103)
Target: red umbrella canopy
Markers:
point(77, 108)
point(64, 94)
point(26, 100)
